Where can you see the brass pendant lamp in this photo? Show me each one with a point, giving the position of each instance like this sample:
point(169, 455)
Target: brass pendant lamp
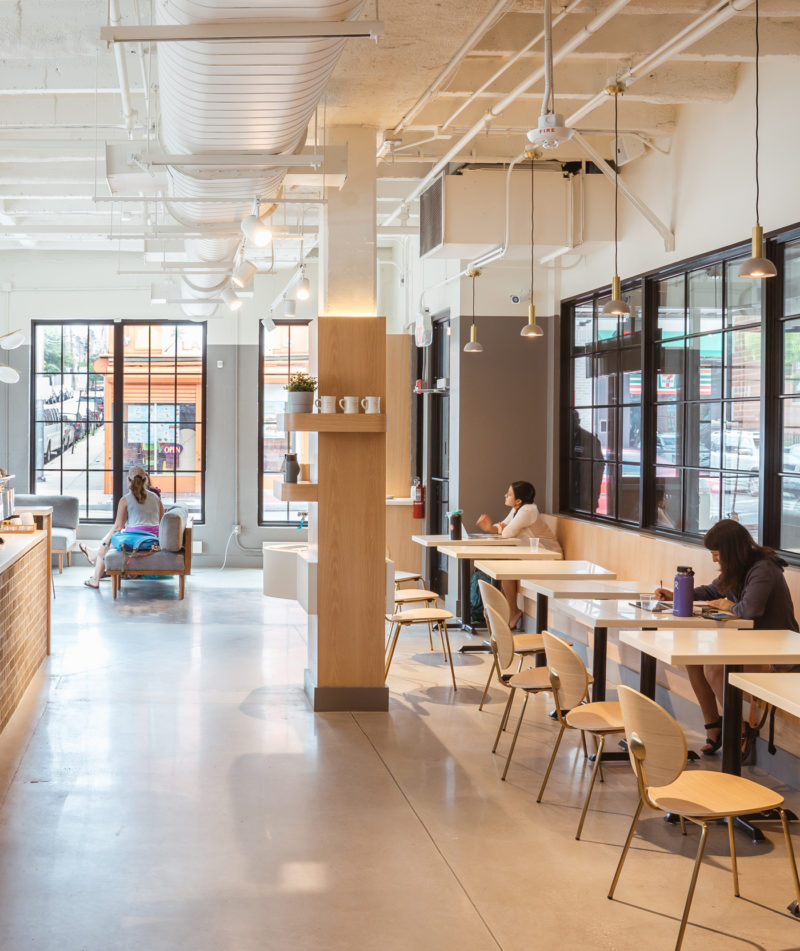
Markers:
point(474, 346)
point(757, 266)
point(531, 329)
point(616, 307)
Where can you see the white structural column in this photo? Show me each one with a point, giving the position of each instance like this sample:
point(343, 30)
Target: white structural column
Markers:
point(348, 252)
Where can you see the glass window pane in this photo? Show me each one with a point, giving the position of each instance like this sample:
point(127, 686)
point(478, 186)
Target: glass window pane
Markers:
point(582, 381)
point(669, 369)
point(743, 363)
point(582, 330)
point(607, 329)
point(630, 436)
point(631, 368)
point(671, 307)
point(629, 493)
point(743, 297)
point(669, 433)
point(791, 286)
point(790, 514)
point(703, 422)
point(701, 500)
point(631, 324)
point(791, 426)
point(704, 367)
point(668, 498)
point(791, 355)
point(607, 493)
point(705, 299)
point(606, 374)
point(605, 427)
point(740, 501)
point(48, 351)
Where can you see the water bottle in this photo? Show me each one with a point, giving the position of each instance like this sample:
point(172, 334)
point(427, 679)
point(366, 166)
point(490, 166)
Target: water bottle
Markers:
point(683, 592)
point(455, 524)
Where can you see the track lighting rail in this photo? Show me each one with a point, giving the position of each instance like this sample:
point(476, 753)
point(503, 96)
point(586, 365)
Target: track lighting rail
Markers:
point(243, 30)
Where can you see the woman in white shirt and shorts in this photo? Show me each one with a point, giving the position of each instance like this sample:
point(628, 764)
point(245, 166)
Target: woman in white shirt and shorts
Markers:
point(522, 522)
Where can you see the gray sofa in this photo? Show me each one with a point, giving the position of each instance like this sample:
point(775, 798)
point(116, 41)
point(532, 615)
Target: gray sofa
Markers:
point(173, 558)
point(64, 533)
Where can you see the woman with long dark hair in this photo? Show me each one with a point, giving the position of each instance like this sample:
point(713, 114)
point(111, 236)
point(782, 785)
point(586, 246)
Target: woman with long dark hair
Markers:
point(523, 522)
point(750, 585)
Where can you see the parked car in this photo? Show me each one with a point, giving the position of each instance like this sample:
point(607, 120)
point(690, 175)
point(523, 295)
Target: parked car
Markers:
point(57, 435)
point(740, 454)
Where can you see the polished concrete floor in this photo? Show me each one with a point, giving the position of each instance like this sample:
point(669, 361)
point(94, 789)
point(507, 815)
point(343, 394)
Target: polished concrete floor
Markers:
point(164, 786)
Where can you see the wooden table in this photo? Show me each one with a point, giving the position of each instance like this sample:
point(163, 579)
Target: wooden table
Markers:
point(594, 587)
point(445, 543)
point(602, 615)
point(721, 645)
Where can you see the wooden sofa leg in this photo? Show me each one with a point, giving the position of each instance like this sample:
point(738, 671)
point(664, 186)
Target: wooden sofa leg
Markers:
point(114, 584)
point(181, 586)
point(60, 563)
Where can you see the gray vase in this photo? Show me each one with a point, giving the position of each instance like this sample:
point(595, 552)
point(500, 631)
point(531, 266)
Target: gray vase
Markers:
point(300, 401)
point(291, 467)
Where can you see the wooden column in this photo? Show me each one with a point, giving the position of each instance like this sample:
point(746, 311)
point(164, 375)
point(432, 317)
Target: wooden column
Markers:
point(346, 640)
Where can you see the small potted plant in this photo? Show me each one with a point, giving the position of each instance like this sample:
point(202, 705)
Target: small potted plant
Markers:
point(301, 388)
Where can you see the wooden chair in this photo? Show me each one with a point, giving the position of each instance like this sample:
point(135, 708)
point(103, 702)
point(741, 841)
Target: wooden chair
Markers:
point(532, 681)
point(437, 616)
point(525, 645)
point(403, 577)
point(657, 749)
point(570, 681)
point(418, 597)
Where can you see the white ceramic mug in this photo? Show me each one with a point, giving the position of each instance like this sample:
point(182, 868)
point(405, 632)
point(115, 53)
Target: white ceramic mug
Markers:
point(349, 404)
point(325, 404)
point(371, 404)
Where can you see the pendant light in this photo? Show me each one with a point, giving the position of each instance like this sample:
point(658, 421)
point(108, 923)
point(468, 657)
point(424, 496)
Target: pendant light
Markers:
point(474, 346)
point(12, 340)
point(616, 307)
point(757, 266)
point(531, 329)
point(8, 374)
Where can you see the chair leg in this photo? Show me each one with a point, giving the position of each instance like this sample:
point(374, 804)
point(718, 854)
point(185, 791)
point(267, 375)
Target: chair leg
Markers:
point(516, 734)
point(488, 681)
point(69, 559)
point(601, 742)
point(504, 717)
point(552, 760)
point(790, 850)
point(393, 643)
point(181, 586)
point(734, 868)
point(583, 742)
point(430, 635)
point(690, 896)
point(626, 847)
point(683, 825)
point(60, 563)
point(448, 653)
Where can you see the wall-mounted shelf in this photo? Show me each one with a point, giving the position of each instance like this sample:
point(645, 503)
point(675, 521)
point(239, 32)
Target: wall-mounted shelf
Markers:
point(295, 491)
point(332, 423)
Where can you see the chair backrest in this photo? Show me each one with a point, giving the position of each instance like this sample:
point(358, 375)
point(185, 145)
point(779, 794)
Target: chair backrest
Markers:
point(502, 638)
point(656, 744)
point(568, 675)
point(492, 598)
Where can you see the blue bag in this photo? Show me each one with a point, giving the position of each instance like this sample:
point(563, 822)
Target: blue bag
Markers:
point(134, 540)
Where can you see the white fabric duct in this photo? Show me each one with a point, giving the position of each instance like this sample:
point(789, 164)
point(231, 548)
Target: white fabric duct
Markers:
point(227, 96)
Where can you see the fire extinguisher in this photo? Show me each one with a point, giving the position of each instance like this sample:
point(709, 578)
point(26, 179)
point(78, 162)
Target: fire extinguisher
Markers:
point(418, 499)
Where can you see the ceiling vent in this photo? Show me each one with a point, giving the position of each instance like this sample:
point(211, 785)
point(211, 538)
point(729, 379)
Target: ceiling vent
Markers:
point(431, 217)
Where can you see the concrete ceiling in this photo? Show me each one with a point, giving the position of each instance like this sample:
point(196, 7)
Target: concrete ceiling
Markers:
point(60, 101)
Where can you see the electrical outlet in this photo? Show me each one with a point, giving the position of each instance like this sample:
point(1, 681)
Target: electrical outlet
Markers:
point(197, 548)
point(237, 529)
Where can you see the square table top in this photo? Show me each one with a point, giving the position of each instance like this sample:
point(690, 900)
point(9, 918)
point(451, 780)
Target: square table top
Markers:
point(595, 587)
point(445, 541)
point(621, 614)
point(720, 646)
point(781, 689)
point(541, 568)
point(498, 552)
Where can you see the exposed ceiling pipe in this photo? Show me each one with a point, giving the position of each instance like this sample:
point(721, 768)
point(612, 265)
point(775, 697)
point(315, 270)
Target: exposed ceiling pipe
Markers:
point(497, 110)
point(570, 8)
point(492, 17)
point(688, 36)
point(128, 112)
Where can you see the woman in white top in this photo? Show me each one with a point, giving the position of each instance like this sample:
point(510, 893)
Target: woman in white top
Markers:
point(522, 522)
point(138, 508)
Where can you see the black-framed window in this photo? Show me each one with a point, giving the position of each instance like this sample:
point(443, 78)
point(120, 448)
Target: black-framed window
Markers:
point(90, 422)
point(719, 385)
point(284, 350)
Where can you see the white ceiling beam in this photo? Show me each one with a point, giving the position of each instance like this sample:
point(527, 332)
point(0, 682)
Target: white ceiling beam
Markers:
point(243, 30)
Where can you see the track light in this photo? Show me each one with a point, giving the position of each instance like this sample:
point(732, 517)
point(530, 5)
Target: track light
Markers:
point(242, 273)
point(254, 229)
point(12, 340)
point(474, 346)
point(303, 291)
point(268, 324)
point(289, 307)
point(230, 298)
point(8, 374)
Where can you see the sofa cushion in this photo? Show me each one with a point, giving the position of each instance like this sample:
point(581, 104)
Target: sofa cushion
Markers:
point(65, 507)
point(155, 561)
point(171, 527)
point(63, 539)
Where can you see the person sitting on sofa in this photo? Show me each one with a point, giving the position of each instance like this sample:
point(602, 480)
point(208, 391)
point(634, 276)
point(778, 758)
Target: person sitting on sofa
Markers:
point(139, 508)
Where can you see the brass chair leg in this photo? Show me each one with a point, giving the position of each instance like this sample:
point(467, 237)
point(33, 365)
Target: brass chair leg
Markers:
point(507, 713)
point(392, 646)
point(598, 749)
point(504, 717)
point(601, 742)
point(552, 760)
point(790, 850)
point(690, 896)
point(734, 868)
point(583, 741)
point(441, 637)
point(626, 847)
point(683, 825)
point(516, 734)
point(448, 652)
point(492, 669)
point(430, 635)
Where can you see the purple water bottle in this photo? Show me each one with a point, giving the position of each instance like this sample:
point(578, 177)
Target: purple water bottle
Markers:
point(683, 592)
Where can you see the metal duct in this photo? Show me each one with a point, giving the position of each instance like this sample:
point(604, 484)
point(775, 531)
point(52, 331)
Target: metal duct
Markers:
point(238, 95)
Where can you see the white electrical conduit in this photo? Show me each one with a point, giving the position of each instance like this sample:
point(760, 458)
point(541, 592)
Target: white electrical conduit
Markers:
point(702, 26)
point(570, 8)
point(477, 34)
point(497, 110)
point(128, 111)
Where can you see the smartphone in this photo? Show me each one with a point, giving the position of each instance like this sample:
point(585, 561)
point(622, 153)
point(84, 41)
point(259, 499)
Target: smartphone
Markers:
point(654, 606)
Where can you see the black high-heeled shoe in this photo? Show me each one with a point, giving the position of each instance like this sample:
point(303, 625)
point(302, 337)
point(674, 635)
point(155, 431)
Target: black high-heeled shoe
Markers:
point(749, 737)
point(712, 745)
